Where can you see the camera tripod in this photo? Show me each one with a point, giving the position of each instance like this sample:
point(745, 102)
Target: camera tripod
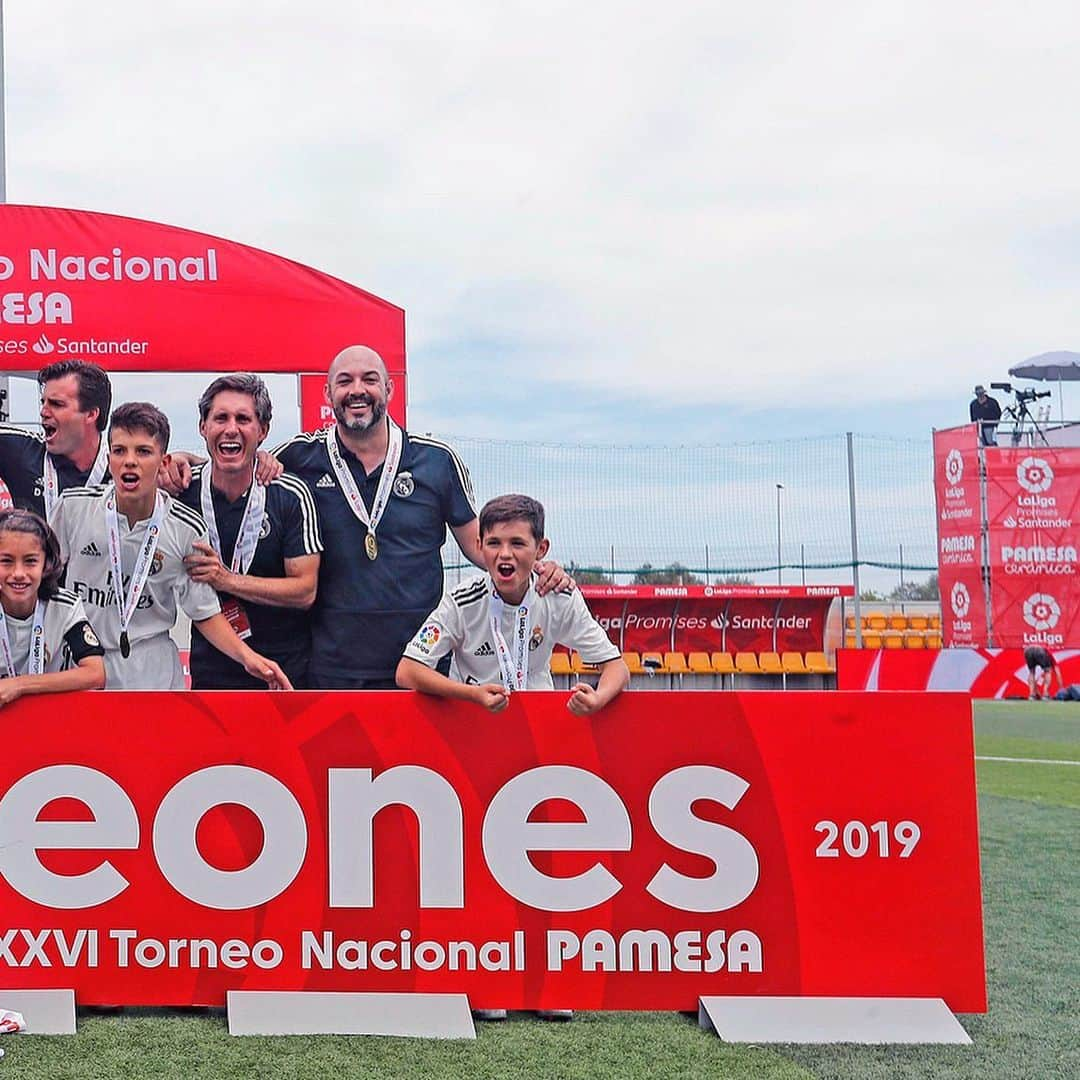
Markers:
point(1019, 413)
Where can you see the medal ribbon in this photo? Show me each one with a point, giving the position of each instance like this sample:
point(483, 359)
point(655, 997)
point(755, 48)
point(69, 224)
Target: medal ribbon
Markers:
point(247, 539)
point(348, 484)
point(36, 658)
point(513, 666)
point(52, 481)
point(141, 572)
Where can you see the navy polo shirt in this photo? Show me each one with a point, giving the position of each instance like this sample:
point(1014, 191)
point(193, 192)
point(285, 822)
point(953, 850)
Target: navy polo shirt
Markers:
point(290, 530)
point(22, 468)
point(367, 611)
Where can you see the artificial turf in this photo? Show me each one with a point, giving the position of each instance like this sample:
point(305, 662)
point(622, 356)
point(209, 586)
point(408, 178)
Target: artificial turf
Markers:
point(1029, 822)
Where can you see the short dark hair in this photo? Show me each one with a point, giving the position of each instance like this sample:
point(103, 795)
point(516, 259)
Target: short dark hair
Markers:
point(95, 390)
point(242, 382)
point(513, 508)
point(26, 521)
point(142, 416)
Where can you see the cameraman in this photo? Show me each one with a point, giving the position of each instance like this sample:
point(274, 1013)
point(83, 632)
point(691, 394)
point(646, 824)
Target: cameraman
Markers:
point(987, 411)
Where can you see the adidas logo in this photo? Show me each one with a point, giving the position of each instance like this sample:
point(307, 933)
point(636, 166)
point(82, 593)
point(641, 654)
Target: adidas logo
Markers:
point(485, 650)
point(90, 549)
point(326, 480)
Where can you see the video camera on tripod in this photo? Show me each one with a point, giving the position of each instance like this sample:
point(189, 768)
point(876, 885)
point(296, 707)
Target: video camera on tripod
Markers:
point(1022, 396)
point(1021, 415)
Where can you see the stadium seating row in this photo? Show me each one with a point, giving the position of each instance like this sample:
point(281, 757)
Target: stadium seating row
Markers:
point(895, 639)
point(703, 663)
point(895, 620)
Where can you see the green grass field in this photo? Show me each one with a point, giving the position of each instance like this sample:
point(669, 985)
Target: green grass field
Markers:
point(1030, 823)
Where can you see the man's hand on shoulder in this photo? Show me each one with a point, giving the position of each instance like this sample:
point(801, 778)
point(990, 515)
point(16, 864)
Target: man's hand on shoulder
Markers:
point(551, 577)
point(175, 472)
point(267, 467)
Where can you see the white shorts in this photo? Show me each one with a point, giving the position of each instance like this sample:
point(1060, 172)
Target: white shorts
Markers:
point(154, 664)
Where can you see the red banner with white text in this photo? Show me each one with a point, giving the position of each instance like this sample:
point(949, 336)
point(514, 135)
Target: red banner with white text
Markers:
point(672, 846)
point(1033, 506)
point(959, 523)
point(713, 618)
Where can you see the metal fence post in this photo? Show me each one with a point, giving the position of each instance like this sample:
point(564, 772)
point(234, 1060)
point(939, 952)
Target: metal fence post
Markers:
point(854, 537)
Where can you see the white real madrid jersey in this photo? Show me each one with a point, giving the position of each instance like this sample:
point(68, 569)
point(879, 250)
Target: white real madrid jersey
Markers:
point(461, 625)
point(80, 524)
point(63, 614)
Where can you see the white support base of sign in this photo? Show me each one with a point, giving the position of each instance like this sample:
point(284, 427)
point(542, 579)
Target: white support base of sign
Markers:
point(303, 1012)
point(830, 1020)
point(46, 1012)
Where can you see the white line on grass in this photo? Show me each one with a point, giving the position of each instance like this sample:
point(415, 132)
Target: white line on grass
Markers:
point(1028, 760)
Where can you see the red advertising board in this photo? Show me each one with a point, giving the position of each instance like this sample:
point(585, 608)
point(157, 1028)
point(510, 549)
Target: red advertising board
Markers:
point(959, 522)
point(712, 618)
point(673, 846)
point(140, 296)
point(980, 672)
point(1033, 503)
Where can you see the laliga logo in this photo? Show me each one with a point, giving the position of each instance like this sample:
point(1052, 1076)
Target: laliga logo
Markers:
point(1034, 475)
point(43, 346)
point(960, 600)
point(1041, 611)
point(954, 467)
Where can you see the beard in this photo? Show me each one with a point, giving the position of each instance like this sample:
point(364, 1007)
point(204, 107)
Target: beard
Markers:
point(354, 423)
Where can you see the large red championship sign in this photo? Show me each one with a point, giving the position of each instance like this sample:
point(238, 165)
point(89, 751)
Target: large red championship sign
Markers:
point(165, 848)
point(140, 296)
point(959, 521)
point(1033, 503)
point(714, 618)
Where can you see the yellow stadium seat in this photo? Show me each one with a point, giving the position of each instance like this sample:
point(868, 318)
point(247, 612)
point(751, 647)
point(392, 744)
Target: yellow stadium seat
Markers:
point(722, 664)
point(700, 664)
point(633, 661)
point(746, 663)
point(876, 621)
point(818, 664)
point(918, 622)
point(935, 622)
point(933, 639)
point(654, 662)
point(560, 663)
point(893, 639)
point(898, 621)
point(769, 662)
point(851, 641)
point(871, 641)
point(579, 667)
point(849, 622)
point(914, 639)
point(793, 663)
point(675, 662)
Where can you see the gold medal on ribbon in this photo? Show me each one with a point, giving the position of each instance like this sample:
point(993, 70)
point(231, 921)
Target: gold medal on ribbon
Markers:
point(371, 546)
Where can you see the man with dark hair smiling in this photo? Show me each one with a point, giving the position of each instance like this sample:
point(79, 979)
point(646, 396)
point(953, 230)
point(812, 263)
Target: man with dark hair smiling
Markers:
point(264, 545)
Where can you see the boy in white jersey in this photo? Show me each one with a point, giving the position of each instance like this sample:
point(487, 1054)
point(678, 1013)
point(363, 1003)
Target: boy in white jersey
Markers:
point(133, 534)
point(501, 632)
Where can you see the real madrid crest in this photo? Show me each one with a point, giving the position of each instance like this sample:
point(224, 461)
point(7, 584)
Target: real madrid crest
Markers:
point(537, 637)
point(264, 529)
point(404, 485)
point(157, 563)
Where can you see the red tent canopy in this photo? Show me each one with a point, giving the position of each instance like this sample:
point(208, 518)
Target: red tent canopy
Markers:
point(139, 296)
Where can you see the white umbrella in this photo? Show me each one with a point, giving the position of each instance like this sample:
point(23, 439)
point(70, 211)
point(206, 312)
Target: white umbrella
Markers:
point(1050, 367)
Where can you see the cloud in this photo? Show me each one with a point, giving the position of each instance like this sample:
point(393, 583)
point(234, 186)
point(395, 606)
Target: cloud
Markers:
point(866, 204)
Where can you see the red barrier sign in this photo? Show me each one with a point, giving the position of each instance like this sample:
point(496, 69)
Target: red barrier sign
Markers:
point(1033, 501)
point(165, 848)
point(959, 521)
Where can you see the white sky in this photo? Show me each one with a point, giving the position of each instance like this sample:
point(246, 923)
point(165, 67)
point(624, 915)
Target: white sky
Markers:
point(629, 222)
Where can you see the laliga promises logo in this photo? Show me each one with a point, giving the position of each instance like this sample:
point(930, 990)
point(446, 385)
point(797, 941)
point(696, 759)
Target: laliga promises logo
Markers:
point(1034, 475)
point(960, 599)
point(1041, 611)
point(43, 346)
point(954, 467)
